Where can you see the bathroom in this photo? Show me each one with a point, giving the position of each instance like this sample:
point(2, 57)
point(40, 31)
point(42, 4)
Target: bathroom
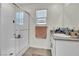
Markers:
point(51, 28)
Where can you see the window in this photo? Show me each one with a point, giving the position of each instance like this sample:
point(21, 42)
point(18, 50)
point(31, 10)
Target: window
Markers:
point(41, 16)
point(19, 18)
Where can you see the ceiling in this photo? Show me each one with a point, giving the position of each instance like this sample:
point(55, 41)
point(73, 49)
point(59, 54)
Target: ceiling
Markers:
point(34, 4)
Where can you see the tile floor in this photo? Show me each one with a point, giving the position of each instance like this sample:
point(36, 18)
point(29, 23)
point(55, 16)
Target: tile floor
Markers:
point(37, 52)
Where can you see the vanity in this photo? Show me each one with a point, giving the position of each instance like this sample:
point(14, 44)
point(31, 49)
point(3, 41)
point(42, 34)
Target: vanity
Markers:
point(64, 45)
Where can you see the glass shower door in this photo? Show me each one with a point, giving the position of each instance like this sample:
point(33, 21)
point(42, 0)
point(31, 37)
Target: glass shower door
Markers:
point(21, 31)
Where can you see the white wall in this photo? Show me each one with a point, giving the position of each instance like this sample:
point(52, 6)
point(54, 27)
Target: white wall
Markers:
point(0, 29)
point(59, 15)
point(7, 28)
point(71, 15)
point(54, 19)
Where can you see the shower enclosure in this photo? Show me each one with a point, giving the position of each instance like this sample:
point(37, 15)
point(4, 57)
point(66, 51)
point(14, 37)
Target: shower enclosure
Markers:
point(14, 30)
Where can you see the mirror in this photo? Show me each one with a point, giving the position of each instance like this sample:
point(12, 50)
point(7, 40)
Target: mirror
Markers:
point(71, 16)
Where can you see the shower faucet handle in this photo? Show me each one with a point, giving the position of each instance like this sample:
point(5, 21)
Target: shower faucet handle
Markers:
point(17, 36)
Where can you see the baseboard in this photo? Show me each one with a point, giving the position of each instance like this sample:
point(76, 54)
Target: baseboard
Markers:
point(39, 47)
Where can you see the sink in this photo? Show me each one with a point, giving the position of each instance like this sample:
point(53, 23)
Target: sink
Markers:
point(61, 35)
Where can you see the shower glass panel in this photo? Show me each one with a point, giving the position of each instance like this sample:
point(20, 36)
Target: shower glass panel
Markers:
point(21, 30)
point(19, 18)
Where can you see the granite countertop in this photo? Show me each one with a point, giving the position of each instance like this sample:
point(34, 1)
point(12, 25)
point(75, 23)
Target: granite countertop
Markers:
point(59, 36)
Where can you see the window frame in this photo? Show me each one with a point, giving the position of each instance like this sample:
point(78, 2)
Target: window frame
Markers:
point(41, 17)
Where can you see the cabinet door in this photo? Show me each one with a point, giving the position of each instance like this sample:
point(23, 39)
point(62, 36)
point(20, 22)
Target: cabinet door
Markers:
point(67, 48)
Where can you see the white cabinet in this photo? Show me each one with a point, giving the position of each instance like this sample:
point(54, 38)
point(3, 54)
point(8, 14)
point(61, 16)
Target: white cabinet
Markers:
point(67, 48)
point(64, 45)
